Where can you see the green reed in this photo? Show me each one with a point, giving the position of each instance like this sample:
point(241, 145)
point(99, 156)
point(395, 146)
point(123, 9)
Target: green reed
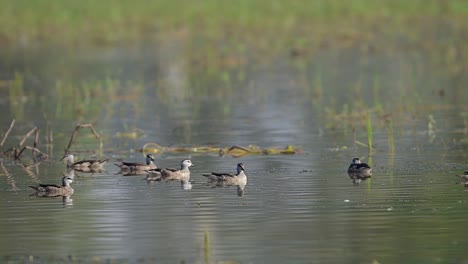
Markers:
point(17, 96)
point(391, 141)
point(207, 247)
point(108, 21)
point(369, 132)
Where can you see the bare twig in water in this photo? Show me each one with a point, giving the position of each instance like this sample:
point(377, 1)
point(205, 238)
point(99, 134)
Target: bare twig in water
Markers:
point(6, 152)
point(36, 138)
point(8, 132)
point(18, 154)
point(18, 151)
point(75, 132)
point(35, 131)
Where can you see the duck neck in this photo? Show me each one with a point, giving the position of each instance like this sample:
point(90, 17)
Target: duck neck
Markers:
point(65, 183)
point(70, 160)
point(148, 161)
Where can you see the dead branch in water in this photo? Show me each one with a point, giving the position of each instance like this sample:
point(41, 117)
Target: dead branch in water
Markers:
point(33, 149)
point(75, 132)
point(18, 151)
point(35, 131)
point(8, 132)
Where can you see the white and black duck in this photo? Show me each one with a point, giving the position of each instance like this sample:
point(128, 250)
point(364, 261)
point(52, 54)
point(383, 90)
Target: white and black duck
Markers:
point(358, 170)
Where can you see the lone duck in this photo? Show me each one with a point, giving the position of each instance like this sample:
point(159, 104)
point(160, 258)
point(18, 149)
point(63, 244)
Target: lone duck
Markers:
point(464, 176)
point(85, 165)
point(55, 190)
point(169, 174)
point(134, 166)
point(226, 179)
point(359, 171)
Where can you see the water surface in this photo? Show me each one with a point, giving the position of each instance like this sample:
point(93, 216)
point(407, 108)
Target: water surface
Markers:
point(299, 208)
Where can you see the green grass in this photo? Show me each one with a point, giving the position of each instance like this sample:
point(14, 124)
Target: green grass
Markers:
point(114, 20)
point(224, 40)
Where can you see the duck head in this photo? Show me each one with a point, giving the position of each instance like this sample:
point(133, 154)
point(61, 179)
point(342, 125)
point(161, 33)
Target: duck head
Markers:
point(185, 164)
point(240, 167)
point(69, 158)
point(66, 181)
point(149, 158)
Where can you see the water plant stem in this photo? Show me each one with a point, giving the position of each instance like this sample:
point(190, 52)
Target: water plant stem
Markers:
point(369, 132)
point(8, 132)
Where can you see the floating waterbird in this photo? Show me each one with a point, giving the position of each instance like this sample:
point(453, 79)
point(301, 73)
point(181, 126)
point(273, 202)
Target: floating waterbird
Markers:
point(229, 179)
point(464, 176)
point(134, 166)
point(55, 190)
point(358, 171)
point(169, 174)
point(226, 179)
point(85, 165)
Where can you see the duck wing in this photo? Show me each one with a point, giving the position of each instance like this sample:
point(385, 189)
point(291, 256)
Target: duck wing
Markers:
point(361, 166)
point(223, 174)
point(171, 169)
point(50, 185)
point(215, 174)
point(89, 162)
point(133, 164)
point(84, 162)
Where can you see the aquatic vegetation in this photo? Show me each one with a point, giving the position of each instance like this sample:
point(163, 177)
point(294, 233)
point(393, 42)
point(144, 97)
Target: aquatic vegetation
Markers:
point(464, 115)
point(21, 147)
point(132, 134)
point(431, 128)
point(5, 136)
point(108, 22)
point(75, 132)
point(17, 95)
point(391, 140)
point(369, 132)
point(235, 151)
point(206, 244)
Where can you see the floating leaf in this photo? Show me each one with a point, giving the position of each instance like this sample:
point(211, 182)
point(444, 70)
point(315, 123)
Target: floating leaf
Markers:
point(130, 135)
point(235, 151)
point(152, 148)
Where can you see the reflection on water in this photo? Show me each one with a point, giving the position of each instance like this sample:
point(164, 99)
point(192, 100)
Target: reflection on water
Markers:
point(299, 208)
point(184, 184)
point(311, 209)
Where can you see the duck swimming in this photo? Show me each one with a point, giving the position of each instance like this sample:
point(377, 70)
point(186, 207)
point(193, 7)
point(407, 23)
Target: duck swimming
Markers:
point(55, 190)
point(134, 166)
point(169, 174)
point(358, 171)
point(229, 179)
point(226, 179)
point(85, 165)
point(464, 176)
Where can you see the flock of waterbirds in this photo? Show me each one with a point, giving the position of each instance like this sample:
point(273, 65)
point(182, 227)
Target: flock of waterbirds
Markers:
point(149, 168)
point(357, 171)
